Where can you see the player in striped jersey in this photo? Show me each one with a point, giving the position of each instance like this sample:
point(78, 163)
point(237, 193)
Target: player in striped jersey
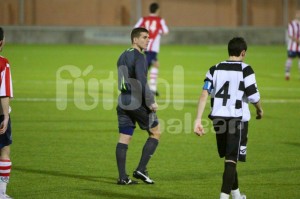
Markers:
point(156, 27)
point(5, 128)
point(293, 44)
point(231, 85)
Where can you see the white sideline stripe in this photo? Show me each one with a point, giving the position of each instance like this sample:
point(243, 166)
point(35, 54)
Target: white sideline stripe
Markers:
point(186, 101)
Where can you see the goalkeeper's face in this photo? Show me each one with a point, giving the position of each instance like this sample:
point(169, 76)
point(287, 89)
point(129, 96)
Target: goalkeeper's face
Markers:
point(142, 41)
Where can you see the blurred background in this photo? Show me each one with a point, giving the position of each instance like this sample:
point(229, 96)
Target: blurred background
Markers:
point(108, 21)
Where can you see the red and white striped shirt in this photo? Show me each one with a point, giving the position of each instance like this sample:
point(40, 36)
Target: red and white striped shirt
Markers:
point(6, 89)
point(156, 26)
point(293, 31)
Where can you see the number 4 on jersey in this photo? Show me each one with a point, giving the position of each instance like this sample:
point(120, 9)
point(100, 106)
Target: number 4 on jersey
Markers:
point(223, 93)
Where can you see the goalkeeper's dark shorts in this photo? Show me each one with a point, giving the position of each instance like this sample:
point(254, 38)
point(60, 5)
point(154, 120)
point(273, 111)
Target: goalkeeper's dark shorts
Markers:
point(127, 119)
point(231, 138)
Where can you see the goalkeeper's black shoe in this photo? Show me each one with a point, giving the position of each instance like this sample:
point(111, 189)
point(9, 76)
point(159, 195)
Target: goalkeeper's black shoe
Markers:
point(143, 175)
point(126, 181)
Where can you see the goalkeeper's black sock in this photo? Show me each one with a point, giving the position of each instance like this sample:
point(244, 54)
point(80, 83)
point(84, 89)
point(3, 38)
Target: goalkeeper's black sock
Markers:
point(121, 151)
point(148, 151)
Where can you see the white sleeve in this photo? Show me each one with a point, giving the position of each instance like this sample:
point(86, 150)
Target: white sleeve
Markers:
point(290, 30)
point(139, 23)
point(165, 28)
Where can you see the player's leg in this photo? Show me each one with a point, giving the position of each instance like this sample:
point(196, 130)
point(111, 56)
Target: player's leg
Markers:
point(121, 152)
point(153, 73)
point(5, 168)
point(228, 178)
point(153, 77)
point(235, 150)
point(149, 123)
point(126, 129)
point(228, 137)
point(221, 129)
point(288, 64)
point(298, 55)
point(235, 192)
point(5, 162)
point(149, 147)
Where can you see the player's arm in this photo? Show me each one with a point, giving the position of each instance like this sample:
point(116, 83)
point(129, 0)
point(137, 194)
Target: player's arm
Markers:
point(251, 90)
point(139, 23)
point(291, 34)
point(165, 28)
point(259, 110)
point(294, 39)
point(142, 78)
point(198, 128)
point(5, 112)
point(5, 95)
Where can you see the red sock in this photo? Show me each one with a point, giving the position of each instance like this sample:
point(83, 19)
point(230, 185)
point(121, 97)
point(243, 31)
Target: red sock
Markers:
point(5, 167)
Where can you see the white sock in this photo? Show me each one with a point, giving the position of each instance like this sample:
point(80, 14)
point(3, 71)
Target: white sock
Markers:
point(224, 196)
point(288, 65)
point(3, 187)
point(153, 78)
point(236, 194)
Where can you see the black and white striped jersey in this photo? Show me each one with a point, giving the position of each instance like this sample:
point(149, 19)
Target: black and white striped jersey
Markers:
point(232, 85)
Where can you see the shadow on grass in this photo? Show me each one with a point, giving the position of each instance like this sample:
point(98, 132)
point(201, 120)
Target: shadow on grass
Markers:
point(271, 170)
point(108, 180)
point(292, 143)
point(116, 195)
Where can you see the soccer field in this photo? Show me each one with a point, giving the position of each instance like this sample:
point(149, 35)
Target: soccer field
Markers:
point(65, 126)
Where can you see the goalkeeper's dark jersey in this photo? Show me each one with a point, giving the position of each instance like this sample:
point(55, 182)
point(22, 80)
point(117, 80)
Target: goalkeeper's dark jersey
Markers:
point(132, 80)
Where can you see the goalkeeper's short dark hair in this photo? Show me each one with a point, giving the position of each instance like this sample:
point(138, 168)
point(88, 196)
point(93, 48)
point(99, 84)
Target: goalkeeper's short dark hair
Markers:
point(136, 32)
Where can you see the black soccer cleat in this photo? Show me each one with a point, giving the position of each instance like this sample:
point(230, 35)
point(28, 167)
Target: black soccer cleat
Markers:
point(126, 181)
point(143, 175)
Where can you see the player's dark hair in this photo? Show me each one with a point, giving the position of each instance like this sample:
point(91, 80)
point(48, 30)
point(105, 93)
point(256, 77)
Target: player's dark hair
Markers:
point(1, 34)
point(136, 32)
point(236, 45)
point(153, 7)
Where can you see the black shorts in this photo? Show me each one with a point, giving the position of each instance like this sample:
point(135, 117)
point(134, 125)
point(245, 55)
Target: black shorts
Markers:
point(232, 137)
point(151, 57)
point(5, 138)
point(127, 119)
point(293, 54)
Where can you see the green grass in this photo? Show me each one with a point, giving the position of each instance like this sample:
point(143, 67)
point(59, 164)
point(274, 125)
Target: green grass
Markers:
point(71, 153)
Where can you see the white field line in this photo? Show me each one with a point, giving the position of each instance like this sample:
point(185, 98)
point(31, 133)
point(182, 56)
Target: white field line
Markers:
point(197, 86)
point(179, 101)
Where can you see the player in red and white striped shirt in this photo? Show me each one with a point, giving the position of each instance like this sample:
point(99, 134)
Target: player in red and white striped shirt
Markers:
point(293, 44)
point(6, 93)
point(156, 27)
